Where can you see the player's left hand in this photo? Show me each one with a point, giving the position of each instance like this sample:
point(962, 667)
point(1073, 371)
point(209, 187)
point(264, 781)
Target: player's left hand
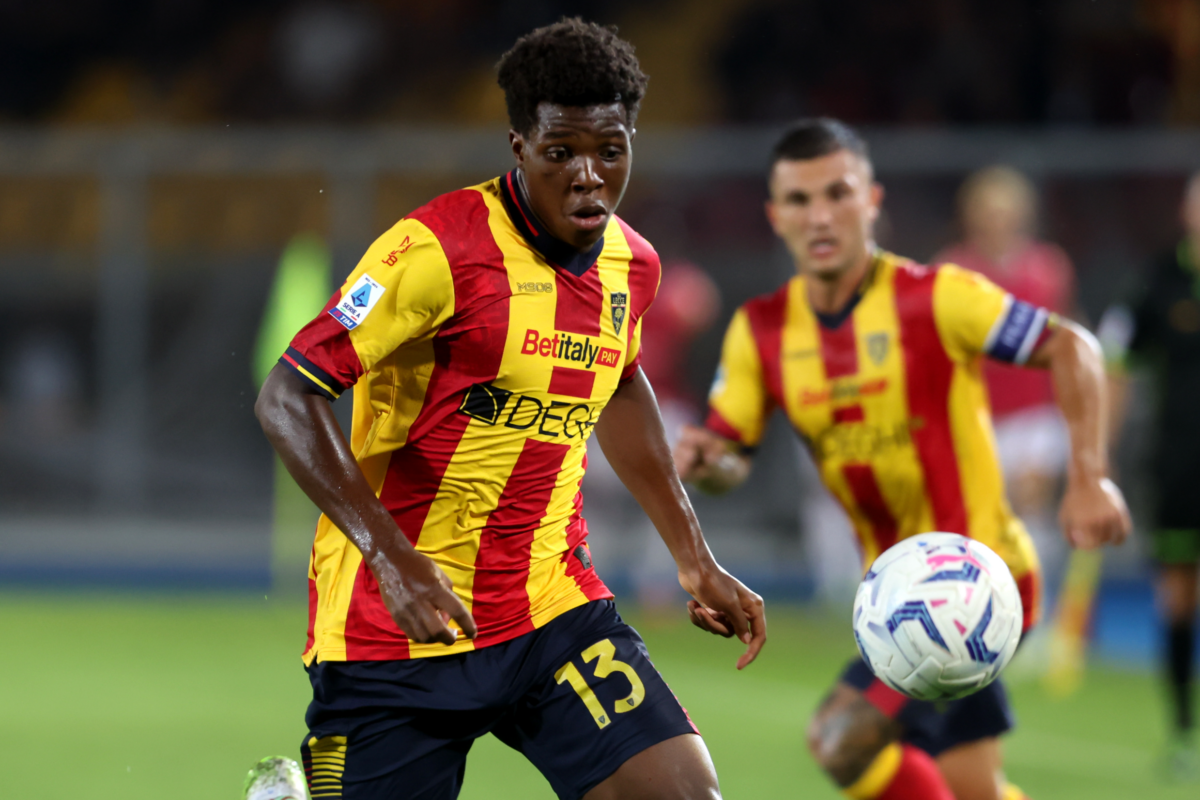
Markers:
point(1094, 514)
point(724, 606)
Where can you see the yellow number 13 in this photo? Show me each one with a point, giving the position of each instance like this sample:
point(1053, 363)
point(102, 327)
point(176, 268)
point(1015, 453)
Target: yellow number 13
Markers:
point(604, 651)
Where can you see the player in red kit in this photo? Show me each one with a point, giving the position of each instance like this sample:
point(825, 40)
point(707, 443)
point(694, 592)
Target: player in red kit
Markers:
point(997, 211)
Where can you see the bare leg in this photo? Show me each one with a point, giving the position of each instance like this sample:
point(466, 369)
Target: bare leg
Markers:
point(677, 769)
point(847, 733)
point(974, 770)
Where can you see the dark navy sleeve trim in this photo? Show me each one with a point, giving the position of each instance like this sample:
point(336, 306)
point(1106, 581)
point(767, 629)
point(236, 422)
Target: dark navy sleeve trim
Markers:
point(318, 378)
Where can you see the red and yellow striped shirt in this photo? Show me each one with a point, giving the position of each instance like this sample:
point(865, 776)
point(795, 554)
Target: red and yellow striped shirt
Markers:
point(482, 352)
point(890, 401)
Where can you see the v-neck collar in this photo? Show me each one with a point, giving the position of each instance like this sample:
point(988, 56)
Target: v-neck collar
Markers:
point(834, 321)
point(557, 252)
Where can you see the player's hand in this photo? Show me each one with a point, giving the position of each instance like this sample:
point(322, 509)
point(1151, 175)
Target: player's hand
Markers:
point(1094, 514)
point(709, 461)
point(725, 607)
point(420, 597)
point(696, 452)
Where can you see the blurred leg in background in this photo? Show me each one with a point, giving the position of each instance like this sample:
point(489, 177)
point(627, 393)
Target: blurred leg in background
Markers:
point(1177, 583)
point(1033, 446)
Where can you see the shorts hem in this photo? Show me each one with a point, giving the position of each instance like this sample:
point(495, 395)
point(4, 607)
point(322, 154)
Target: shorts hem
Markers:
point(1176, 546)
point(944, 747)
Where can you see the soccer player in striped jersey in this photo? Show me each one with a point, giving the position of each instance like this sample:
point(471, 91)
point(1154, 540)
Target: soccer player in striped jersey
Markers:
point(487, 335)
point(876, 361)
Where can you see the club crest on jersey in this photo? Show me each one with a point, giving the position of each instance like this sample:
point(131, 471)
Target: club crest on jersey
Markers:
point(877, 347)
point(619, 302)
point(355, 304)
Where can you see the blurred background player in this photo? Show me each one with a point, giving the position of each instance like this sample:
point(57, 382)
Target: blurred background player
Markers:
point(1160, 330)
point(998, 215)
point(875, 361)
point(997, 212)
point(687, 305)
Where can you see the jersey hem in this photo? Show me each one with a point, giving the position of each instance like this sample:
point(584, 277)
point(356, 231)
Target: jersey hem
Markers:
point(402, 650)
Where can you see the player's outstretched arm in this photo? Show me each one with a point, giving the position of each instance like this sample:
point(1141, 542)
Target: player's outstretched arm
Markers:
point(710, 462)
point(302, 428)
point(631, 433)
point(1093, 510)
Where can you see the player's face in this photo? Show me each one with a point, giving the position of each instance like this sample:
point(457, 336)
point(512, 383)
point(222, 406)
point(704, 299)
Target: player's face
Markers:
point(576, 164)
point(997, 213)
point(825, 209)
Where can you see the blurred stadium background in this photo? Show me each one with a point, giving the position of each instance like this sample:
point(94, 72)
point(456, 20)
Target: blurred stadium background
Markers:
point(157, 159)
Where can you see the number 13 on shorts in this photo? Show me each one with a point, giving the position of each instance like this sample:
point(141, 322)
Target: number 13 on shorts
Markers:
point(602, 653)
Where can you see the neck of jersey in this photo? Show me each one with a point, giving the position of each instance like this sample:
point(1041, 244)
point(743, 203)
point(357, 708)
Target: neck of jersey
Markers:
point(835, 320)
point(557, 253)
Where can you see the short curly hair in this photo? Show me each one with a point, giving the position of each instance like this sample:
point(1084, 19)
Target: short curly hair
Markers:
point(573, 63)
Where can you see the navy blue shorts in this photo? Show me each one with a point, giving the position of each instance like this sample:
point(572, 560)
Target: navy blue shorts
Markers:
point(936, 727)
point(578, 697)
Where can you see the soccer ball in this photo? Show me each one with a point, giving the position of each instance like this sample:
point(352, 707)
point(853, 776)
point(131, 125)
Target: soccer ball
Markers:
point(938, 616)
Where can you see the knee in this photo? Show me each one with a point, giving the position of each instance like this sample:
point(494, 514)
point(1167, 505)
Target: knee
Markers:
point(844, 743)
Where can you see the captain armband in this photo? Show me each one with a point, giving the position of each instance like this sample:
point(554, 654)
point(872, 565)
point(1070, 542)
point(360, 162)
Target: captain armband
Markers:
point(1020, 329)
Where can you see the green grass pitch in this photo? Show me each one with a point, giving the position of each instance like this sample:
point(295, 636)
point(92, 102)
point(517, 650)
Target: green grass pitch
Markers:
point(151, 697)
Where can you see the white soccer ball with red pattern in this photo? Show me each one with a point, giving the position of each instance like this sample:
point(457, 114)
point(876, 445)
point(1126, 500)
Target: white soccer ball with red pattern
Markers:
point(938, 616)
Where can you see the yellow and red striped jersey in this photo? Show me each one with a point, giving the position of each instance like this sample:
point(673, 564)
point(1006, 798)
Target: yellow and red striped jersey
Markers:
point(888, 397)
point(481, 352)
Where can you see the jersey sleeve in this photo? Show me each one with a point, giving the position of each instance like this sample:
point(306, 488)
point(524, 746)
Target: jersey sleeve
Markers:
point(633, 354)
point(401, 290)
point(738, 404)
point(975, 316)
point(644, 283)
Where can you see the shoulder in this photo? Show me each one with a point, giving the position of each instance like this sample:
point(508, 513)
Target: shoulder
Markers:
point(957, 253)
point(769, 310)
point(642, 253)
point(459, 220)
point(645, 269)
point(448, 209)
point(909, 277)
point(943, 292)
point(1051, 254)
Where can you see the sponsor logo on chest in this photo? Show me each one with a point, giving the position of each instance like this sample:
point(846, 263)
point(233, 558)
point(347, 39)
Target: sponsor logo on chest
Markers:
point(570, 347)
point(843, 390)
point(490, 404)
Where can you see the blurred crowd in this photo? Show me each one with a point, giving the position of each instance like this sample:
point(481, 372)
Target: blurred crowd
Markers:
point(884, 61)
